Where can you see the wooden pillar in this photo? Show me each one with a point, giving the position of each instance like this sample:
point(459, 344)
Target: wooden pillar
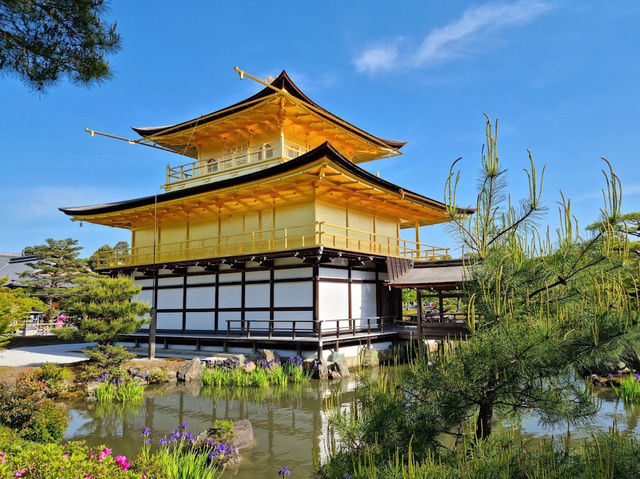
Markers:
point(417, 240)
point(419, 299)
point(441, 305)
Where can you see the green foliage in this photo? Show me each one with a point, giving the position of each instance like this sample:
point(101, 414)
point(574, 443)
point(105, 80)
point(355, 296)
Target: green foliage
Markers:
point(105, 360)
point(224, 429)
point(102, 308)
point(278, 376)
point(121, 248)
point(538, 309)
point(58, 267)
point(629, 389)
point(42, 41)
point(158, 376)
point(24, 407)
point(604, 456)
point(216, 376)
point(46, 425)
point(260, 378)
point(73, 460)
point(14, 306)
point(119, 390)
point(409, 298)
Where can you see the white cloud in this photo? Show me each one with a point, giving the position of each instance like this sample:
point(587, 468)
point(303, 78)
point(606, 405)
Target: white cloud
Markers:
point(454, 39)
point(378, 58)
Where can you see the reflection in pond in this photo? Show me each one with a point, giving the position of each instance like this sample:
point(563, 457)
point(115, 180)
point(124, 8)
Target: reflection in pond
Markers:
point(288, 423)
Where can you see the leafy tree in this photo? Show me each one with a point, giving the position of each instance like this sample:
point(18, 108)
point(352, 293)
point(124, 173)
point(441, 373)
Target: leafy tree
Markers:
point(58, 268)
point(102, 308)
point(408, 298)
point(537, 309)
point(42, 40)
point(14, 306)
point(120, 248)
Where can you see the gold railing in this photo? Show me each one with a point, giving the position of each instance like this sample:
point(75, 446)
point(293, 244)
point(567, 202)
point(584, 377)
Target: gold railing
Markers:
point(279, 239)
point(262, 155)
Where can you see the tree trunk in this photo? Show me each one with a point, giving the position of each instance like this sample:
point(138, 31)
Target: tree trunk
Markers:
point(485, 421)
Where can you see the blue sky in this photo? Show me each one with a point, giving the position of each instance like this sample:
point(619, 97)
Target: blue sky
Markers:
point(561, 76)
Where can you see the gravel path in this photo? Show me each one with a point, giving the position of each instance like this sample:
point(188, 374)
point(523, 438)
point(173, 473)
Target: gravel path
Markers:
point(36, 355)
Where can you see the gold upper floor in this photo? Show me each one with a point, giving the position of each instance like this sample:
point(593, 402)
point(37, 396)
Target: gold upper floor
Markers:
point(275, 125)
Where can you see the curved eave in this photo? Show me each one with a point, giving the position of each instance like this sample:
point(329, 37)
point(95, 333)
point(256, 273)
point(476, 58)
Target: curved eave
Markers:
point(326, 150)
point(281, 82)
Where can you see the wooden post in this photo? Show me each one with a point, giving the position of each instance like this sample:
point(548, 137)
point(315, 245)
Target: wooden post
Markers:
point(441, 305)
point(419, 299)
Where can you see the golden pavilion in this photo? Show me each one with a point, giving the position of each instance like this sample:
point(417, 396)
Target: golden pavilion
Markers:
point(269, 232)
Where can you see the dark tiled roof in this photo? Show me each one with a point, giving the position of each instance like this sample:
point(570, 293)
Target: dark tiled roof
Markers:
point(282, 81)
point(322, 151)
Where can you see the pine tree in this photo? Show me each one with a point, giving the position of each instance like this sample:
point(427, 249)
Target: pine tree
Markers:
point(57, 269)
point(42, 40)
point(539, 309)
point(101, 308)
point(121, 248)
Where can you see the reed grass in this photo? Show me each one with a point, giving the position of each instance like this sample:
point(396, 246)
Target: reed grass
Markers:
point(629, 389)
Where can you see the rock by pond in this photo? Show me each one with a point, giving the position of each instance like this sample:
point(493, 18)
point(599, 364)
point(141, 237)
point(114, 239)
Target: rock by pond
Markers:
point(191, 371)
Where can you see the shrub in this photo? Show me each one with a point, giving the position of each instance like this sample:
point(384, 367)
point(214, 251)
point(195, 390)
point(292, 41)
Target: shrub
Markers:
point(105, 360)
point(47, 424)
point(158, 376)
point(260, 378)
point(69, 461)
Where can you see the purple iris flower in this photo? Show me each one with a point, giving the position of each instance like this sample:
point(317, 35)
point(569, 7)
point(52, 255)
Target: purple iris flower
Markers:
point(637, 376)
point(183, 425)
point(610, 375)
point(284, 471)
point(147, 440)
point(163, 441)
point(146, 431)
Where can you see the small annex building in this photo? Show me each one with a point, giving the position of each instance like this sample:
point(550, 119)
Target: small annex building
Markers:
point(270, 234)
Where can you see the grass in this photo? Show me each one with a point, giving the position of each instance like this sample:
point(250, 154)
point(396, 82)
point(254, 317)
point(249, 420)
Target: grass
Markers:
point(629, 389)
point(128, 391)
point(264, 375)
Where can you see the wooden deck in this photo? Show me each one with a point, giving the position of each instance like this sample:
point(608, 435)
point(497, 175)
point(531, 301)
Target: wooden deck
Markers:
point(307, 335)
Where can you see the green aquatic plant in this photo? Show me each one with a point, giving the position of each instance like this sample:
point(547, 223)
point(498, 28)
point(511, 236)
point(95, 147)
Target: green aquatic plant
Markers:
point(260, 378)
point(216, 376)
point(119, 390)
point(629, 389)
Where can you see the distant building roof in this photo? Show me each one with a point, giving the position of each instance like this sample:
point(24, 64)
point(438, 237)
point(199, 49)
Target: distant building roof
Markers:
point(12, 264)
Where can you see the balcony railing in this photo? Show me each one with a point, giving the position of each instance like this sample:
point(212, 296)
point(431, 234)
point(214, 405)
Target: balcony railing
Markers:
point(279, 239)
point(238, 161)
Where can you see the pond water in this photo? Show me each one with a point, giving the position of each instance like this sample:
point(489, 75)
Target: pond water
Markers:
point(289, 424)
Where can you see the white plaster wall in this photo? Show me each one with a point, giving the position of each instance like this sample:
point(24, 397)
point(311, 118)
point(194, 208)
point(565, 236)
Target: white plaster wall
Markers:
point(230, 277)
point(358, 274)
point(333, 273)
point(283, 319)
point(333, 303)
point(203, 297)
point(293, 273)
point(223, 316)
point(259, 320)
point(229, 296)
point(170, 281)
point(298, 294)
point(256, 295)
point(145, 296)
point(257, 275)
point(143, 282)
point(169, 320)
point(363, 301)
point(170, 298)
point(206, 278)
point(202, 321)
